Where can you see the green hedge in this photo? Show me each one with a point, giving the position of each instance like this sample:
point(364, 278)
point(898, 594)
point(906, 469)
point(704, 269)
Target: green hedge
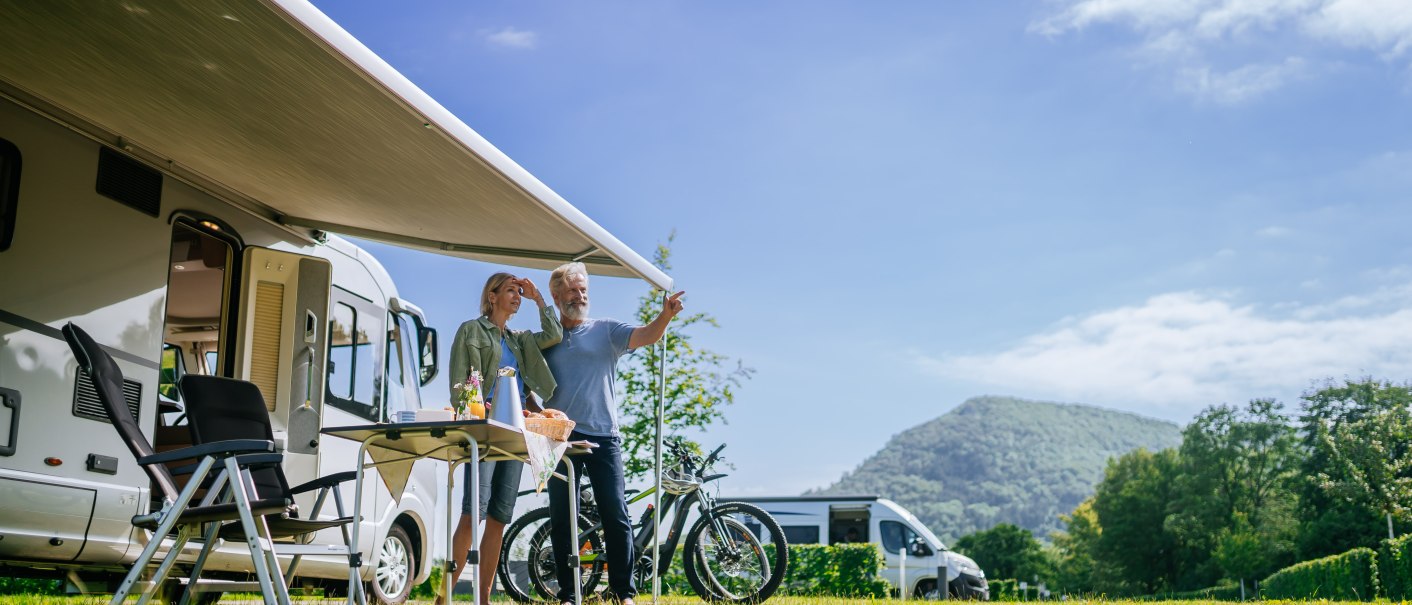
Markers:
point(842, 570)
point(1350, 576)
point(1004, 590)
point(1395, 568)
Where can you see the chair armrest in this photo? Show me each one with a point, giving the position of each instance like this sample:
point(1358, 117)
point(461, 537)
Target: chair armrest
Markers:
point(257, 461)
point(322, 482)
point(215, 448)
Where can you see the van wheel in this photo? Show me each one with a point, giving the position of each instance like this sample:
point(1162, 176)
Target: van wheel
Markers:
point(392, 579)
point(926, 589)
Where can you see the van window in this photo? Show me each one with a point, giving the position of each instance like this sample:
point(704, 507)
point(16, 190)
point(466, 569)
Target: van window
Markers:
point(352, 373)
point(801, 534)
point(896, 535)
point(9, 191)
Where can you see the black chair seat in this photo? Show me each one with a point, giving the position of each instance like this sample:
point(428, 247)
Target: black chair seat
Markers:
point(285, 527)
point(224, 511)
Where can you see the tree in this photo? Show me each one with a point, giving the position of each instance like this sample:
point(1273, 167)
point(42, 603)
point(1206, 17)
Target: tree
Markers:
point(700, 383)
point(1077, 572)
point(1131, 506)
point(1371, 465)
point(1237, 467)
point(1005, 551)
point(1329, 522)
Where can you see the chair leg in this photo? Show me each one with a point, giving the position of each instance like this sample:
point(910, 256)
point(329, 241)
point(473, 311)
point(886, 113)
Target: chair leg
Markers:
point(255, 539)
point(168, 563)
point(170, 513)
point(210, 544)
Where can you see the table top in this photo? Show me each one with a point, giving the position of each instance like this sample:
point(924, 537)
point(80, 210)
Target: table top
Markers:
point(424, 438)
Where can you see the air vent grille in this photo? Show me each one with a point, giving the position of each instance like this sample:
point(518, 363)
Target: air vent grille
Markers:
point(87, 405)
point(265, 339)
point(128, 181)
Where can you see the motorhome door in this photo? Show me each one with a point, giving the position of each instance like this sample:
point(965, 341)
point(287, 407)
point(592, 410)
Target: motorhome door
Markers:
point(848, 523)
point(280, 344)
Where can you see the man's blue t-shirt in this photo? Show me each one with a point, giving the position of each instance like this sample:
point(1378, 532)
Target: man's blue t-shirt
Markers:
point(585, 366)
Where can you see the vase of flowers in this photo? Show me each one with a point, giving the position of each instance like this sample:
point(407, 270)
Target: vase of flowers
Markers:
point(469, 402)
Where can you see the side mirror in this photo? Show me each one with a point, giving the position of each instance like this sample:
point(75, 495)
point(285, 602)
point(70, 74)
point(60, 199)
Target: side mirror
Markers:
point(918, 548)
point(426, 344)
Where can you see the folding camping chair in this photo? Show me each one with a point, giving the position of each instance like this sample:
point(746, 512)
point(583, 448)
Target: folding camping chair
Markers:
point(235, 458)
point(219, 409)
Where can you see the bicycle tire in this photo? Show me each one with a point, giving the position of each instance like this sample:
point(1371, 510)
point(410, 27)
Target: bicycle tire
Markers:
point(711, 577)
point(516, 557)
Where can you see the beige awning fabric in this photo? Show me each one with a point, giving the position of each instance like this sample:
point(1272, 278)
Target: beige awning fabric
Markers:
point(277, 107)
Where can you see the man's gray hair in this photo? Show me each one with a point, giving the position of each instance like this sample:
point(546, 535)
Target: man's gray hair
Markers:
point(562, 273)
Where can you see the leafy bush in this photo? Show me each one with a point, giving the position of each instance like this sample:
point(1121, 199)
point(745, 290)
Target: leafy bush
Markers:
point(1349, 576)
point(844, 570)
point(1004, 590)
point(1395, 568)
point(30, 586)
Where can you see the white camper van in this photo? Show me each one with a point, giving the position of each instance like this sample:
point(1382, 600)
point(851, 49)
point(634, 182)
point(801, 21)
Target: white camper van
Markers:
point(170, 174)
point(834, 520)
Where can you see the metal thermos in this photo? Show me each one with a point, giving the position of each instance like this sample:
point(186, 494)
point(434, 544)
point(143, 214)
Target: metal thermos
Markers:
point(506, 406)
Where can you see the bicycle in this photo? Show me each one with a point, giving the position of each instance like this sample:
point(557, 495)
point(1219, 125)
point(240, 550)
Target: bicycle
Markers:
point(734, 552)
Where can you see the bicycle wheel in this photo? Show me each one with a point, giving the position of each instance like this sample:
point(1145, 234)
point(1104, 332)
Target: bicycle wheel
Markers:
point(541, 570)
point(739, 558)
point(515, 555)
point(527, 559)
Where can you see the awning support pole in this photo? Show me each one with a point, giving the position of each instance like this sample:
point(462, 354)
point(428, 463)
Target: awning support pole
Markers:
point(657, 464)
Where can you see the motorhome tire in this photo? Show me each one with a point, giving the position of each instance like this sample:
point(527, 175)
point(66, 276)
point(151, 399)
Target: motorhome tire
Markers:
point(396, 566)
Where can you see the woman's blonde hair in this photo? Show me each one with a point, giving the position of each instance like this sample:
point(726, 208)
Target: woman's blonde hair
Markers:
point(491, 285)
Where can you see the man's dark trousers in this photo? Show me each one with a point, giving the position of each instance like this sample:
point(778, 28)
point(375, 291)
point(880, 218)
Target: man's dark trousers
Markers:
point(604, 468)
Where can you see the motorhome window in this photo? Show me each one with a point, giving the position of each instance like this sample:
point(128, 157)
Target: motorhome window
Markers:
point(396, 389)
point(340, 356)
point(9, 191)
point(352, 375)
point(801, 534)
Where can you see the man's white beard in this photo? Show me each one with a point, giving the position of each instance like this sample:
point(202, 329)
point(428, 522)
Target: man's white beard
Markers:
point(576, 312)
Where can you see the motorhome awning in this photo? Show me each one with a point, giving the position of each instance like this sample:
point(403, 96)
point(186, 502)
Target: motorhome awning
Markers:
point(276, 107)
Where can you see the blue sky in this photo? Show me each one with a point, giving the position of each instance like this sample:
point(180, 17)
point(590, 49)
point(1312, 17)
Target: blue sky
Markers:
point(1147, 205)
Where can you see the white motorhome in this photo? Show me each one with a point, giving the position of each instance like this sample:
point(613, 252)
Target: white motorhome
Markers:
point(877, 520)
point(170, 174)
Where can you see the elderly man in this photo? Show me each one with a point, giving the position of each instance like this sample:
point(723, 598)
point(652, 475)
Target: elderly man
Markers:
point(584, 364)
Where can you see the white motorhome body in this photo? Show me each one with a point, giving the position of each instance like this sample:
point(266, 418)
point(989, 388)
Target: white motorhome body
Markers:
point(168, 173)
point(197, 287)
point(876, 520)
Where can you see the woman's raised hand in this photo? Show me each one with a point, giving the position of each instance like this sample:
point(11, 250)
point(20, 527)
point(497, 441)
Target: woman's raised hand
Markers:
point(528, 290)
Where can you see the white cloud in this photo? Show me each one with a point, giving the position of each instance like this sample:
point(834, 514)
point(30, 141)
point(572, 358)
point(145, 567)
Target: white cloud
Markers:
point(1382, 25)
point(1274, 231)
point(1179, 352)
point(1193, 35)
point(1238, 85)
point(513, 38)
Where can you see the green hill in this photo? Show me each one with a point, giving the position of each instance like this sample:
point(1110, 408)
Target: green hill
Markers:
point(1002, 460)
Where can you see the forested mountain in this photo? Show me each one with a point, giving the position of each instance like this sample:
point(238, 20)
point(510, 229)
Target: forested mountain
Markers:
point(1002, 460)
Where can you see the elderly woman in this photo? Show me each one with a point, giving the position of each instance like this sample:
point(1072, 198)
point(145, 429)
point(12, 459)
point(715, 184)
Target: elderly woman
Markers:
point(486, 345)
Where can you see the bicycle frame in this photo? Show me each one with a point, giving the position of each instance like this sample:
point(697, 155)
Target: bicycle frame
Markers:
point(645, 535)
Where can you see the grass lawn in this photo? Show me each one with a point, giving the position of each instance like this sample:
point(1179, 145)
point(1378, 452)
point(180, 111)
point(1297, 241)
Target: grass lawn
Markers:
point(666, 600)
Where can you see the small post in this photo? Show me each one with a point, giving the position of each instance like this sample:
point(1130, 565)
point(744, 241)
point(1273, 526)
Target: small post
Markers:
point(943, 588)
point(902, 573)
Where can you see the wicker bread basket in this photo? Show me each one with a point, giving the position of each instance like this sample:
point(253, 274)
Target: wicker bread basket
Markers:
point(553, 428)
